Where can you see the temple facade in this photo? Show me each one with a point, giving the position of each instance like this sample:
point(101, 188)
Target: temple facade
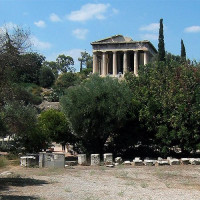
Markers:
point(117, 55)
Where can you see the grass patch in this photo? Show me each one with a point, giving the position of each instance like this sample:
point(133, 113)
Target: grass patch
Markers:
point(67, 189)
point(3, 162)
point(102, 168)
point(144, 185)
point(91, 198)
point(122, 174)
point(130, 183)
point(92, 173)
point(121, 194)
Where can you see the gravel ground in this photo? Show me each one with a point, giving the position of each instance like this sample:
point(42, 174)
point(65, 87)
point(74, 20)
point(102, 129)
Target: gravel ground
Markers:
point(101, 183)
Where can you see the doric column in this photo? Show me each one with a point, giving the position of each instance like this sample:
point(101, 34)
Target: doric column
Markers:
point(118, 63)
point(114, 63)
point(104, 64)
point(125, 68)
point(136, 63)
point(145, 57)
point(95, 63)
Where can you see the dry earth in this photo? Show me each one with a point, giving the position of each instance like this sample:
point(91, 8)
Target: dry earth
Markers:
point(101, 183)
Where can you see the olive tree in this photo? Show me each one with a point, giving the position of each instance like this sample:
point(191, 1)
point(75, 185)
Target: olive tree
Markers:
point(96, 109)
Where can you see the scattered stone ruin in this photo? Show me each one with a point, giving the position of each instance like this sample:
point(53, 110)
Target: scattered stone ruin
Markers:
point(58, 160)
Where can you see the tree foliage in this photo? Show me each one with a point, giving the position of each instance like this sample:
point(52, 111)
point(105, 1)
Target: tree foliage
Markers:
point(96, 109)
point(55, 126)
point(168, 95)
point(29, 69)
point(64, 81)
point(46, 77)
point(183, 52)
point(53, 66)
point(161, 44)
point(86, 60)
point(65, 63)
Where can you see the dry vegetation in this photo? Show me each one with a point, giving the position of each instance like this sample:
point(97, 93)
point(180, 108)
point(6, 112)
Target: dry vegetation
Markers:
point(101, 183)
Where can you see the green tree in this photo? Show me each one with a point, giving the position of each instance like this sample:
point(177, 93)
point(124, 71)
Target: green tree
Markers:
point(30, 66)
point(96, 109)
point(66, 80)
point(168, 98)
point(65, 63)
point(46, 77)
point(183, 52)
point(54, 124)
point(54, 67)
point(20, 122)
point(161, 44)
point(86, 60)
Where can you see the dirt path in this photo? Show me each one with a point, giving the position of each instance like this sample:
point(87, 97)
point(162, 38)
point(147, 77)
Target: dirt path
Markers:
point(101, 183)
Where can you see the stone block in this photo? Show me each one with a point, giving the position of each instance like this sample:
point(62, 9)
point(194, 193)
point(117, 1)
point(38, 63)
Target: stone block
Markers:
point(108, 158)
point(149, 162)
point(159, 158)
point(95, 159)
point(169, 158)
point(116, 164)
point(174, 161)
point(110, 166)
point(137, 161)
point(28, 161)
point(161, 162)
point(82, 159)
point(194, 161)
point(52, 160)
point(184, 161)
point(127, 162)
point(118, 160)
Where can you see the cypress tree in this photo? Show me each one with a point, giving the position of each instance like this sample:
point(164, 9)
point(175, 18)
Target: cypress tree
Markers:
point(161, 44)
point(183, 52)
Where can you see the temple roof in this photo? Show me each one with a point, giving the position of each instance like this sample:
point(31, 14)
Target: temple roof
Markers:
point(114, 39)
point(120, 39)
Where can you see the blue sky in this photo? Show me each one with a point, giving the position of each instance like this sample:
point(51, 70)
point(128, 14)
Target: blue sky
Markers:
point(69, 26)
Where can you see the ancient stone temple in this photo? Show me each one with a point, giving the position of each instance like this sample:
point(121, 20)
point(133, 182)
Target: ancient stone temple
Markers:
point(117, 55)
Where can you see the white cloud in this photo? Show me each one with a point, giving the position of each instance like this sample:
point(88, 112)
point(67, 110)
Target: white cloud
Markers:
point(149, 36)
point(80, 33)
point(54, 18)
point(40, 44)
point(115, 11)
point(154, 27)
point(40, 24)
point(192, 29)
point(89, 11)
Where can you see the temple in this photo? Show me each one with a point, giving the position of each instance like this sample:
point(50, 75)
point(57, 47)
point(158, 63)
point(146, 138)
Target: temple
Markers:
point(117, 55)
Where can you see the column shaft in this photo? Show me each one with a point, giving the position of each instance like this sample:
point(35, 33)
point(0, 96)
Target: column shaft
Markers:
point(136, 63)
point(104, 63)
point(145, 57)
point(114, 63)
point(95, 63)
point(125, 68)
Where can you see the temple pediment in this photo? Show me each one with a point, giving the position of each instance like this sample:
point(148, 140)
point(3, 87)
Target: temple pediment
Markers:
point(114, 39)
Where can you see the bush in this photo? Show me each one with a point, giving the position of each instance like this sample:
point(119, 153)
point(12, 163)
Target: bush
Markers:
point(30, 92)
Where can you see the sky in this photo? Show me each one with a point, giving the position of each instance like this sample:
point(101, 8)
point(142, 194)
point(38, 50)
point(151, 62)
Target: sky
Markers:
point(69, 26)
